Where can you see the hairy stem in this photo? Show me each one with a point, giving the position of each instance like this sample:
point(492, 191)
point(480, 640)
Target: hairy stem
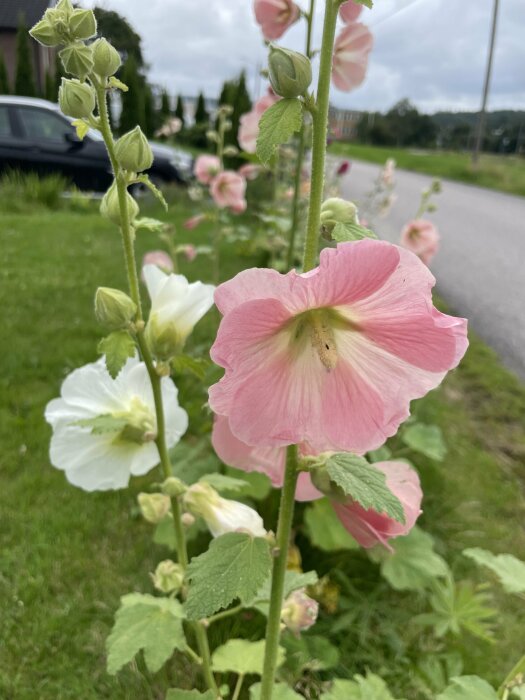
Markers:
point(284, 529)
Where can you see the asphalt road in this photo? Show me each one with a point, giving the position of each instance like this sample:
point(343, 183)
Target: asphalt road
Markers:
point(480, 267)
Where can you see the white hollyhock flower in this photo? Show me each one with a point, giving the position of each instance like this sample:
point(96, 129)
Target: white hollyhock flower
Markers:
point(104, 429)
point(220, 514)
point(176, 306)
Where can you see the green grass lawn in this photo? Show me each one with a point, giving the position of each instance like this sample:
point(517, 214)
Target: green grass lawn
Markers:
point(506, 174)
point(66, 556)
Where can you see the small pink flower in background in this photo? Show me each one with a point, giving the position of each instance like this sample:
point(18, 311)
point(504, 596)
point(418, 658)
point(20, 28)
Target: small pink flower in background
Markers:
point(194, 221)
point(299, 612)
point(349, 11)
point(331, 358)
point(344, 168)
point(250, 171)
point(269, 460)
point(170, 128)
point(206, 168)
point(422, 238)
point(159, 258)
point(228, 190)
point(190, 252)
point(249, 122)
point(387, 174)
point(275, 16)
point(368, 527)
point(351, 50)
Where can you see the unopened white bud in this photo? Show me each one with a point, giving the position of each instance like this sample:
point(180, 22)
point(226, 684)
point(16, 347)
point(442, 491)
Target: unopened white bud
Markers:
point(154, 506)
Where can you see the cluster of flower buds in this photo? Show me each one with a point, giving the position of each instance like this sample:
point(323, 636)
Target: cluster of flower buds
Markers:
point(64, 24)
point(337, 211)
point(290, 72)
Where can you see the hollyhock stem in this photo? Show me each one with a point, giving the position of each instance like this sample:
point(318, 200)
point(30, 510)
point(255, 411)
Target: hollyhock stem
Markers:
point(503, 690)
point(284, 529)
point(133, 282)
point(320, 130)
point(300, 151)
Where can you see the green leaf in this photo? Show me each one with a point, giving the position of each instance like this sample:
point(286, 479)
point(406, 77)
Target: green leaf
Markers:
point(382, 454)
point(257, 485)
point(371, 687)
point(342, 233)
point(235, 566)
point(178, 694)
point(426, 439)
point(101, 425)
point(119, 85)
point(81, 127)
point(366, 3)
point(309, 652)
point(324, 528)
point(145, 180)
point(148, 623)
point(414, 565)
point(276, 126)
point(364, 483)
point(293, 581)
point(221, 482)
point(191, 462)
point(148, 224)
point(165, 533)
point(242, 657)
point(118, 347)
point(509, 570)
point(279, 692)
point(197, 366)
point(468, 688)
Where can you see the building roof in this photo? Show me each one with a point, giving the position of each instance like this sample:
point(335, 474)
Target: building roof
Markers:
point(31, 10)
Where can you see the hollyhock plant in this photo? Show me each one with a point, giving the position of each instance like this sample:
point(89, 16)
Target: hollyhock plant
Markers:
point(249, 122)
point(228, 191)
point(422, 238)
point(250, 171)
point(104, 429)
point(350, 61)
point(194, 221)
point(189, 251)
point(159, 258)
point(344, 168)
point(332, 357)
point(368, 527)
point(350, 11)
point(275, 16)
point(176, 306)
point(206, 168)
point(299, 612)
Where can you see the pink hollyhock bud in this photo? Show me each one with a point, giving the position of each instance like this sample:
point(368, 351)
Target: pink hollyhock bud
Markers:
point(194, 221)
point(369, 527)
point(422, 238)
point(275, 16)
point(250, 171)
point(350, 11)
point(249, 122)
point(351, 50)
point(299, 612)
point(344, 168)
point(190, 252)
point(159, 258)
point(228, 190)
point(206, 168)
point(333, 357)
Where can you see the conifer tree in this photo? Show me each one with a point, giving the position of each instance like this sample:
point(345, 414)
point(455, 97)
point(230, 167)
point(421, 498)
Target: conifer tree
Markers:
point(24, 79)
point(179, 110)
point(133, 101)
point(4, 81)
point(201, 113)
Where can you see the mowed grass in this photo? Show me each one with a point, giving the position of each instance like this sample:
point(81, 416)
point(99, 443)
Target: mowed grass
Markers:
point(504, 173)
point(66, 556)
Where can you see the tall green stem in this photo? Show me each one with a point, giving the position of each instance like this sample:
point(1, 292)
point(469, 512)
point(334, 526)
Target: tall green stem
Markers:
point(284, 529)
point(133, 282)
point(518, 669)
point(320, 131)
point(300, 151)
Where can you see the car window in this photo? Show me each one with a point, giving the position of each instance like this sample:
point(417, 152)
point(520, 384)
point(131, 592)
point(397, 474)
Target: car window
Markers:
point(5, 126)
point(41, 124)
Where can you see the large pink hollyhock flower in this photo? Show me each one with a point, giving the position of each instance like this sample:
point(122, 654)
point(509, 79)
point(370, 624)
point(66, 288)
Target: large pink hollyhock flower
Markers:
point(351, 50)
point(206, 168)
point(249, 122)
point(369, 527)
point(350, 11)
point(331, 358)
point(275, 16)
point(228, 190)
point(422, 238)
point(269, 460)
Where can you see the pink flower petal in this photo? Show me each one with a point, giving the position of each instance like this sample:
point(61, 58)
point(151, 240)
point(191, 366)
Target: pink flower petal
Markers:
point(350, 61)
point(275, 16)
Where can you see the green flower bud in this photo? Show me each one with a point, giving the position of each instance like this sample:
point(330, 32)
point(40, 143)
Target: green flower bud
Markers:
point(64, 7)
point(290, 72)
point(337, 211)
point(114, 309)
point(110, 206)
point(44, 32)
point(154, 506)
point(82, 24)
point(76, 99)
point(230, 151)
point(77, 59)
point(168, 576)
point(106, 58)
point(173, 487)
point(134, 152)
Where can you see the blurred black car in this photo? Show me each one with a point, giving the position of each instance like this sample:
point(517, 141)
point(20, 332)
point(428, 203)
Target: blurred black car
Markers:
point(36, 137)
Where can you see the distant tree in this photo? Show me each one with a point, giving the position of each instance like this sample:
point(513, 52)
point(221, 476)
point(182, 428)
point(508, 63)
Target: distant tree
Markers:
point(119, 32)
point(24, 79)
point(241, 104)
point(165, 107)
point(201, 113)
point(50, 88)
point(4, 81)
point(150, 117)
point(179, 110)
point(133, 101)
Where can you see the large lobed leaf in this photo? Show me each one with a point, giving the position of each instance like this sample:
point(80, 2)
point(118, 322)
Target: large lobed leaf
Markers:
point(509, 570)
point(426, 439)
point(118, 347)
point(468, 688)
point(276, 125)
point(242, 657)
point(371, 687)
point(324, 528)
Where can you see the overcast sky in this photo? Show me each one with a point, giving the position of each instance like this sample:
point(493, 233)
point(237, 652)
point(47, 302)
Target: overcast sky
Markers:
point(432, 51)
